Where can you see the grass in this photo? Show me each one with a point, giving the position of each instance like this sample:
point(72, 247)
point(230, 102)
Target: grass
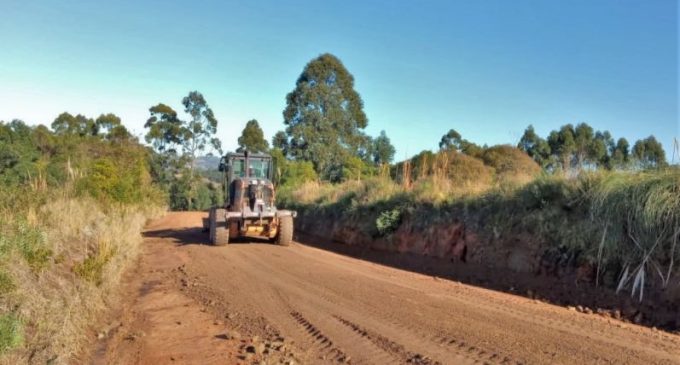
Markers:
point(626, 224)
point(11, 332)
point(60, 264)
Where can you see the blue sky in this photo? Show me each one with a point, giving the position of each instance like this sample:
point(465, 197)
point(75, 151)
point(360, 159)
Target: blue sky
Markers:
point(486, 68)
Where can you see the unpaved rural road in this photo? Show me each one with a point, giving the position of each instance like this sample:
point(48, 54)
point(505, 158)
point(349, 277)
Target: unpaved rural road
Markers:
point(194, 303)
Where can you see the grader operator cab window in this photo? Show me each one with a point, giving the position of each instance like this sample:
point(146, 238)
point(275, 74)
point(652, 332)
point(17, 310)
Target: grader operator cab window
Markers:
point(259, 168)
point(238, 168)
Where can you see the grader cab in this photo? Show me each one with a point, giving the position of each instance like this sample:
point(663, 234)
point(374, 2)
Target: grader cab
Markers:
point(249, 209)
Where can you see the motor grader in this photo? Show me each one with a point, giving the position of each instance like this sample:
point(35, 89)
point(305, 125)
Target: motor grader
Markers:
point(249, 208)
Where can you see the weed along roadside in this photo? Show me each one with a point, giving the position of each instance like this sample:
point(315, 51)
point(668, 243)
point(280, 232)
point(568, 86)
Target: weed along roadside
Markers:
point(603, 240)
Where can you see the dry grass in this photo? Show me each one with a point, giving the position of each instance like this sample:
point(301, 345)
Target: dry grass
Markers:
point(625, 224)
point(55, 299)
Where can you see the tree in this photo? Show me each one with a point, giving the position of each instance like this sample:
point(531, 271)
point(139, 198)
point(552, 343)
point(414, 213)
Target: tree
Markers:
point(168, 134)
point(67, 124)
point(383, 151)
point(324, 116)
point(563, 145)
point(649, 153)
point(165, 129)
point(583, 144)
point(535, 146)
point(601, 149)
point(118, 134)
point(198, 132)
point(252, 138)
point(451, 139)
point(280, 141)
point(106, 122)
point(111, 127)
point(621, 154)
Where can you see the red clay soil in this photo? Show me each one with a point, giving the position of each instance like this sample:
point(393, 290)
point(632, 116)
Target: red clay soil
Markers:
point(191, 303)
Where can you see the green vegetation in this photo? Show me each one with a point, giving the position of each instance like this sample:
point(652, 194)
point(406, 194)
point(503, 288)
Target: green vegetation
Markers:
point(177, 143)
point(72, 204)
point(583, 197)
point(74, 198)
point(575, 148)
point(324, 120)
point(624, 224)
point(11, 332)
point(388, 221)
point(252, 138)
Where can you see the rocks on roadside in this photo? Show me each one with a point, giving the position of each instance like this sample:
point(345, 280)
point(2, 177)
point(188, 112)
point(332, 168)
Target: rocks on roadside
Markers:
point(231, 335)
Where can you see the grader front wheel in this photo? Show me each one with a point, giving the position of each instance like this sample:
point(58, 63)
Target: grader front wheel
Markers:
point(219, 232)
point(285, 236)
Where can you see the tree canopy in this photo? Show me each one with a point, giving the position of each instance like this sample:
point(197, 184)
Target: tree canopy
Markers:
point(324, 117)
point(167, 131)
point(80, 125)
point(177, 143)
point(452, 140)
point(252, 138)
point(535, 146)
point(383, 151)
point(649, 153)
point(580, 146)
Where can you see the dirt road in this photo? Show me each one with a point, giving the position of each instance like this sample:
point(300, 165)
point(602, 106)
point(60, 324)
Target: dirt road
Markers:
point(194, 303)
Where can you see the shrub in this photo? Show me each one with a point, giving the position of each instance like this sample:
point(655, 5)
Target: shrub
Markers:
point(511, 164)
point(92, 268)
point(296, 173)
point(388, 222)
point(28, 240)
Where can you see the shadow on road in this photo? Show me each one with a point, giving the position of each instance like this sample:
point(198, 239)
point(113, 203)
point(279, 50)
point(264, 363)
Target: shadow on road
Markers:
point(195, 236)
point(557, 290)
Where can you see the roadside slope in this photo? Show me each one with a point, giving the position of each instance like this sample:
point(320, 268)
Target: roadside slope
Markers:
point(195, 303)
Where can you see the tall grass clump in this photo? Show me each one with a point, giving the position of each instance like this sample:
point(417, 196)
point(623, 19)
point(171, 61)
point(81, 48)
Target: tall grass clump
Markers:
point(640, 218)
point(60, 266)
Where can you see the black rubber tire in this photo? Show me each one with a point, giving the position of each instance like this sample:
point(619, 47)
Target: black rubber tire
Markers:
point(285, 235)
point(211, 225)
point(219, 232)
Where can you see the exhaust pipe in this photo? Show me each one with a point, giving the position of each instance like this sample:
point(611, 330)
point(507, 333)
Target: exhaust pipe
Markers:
point(245, 153)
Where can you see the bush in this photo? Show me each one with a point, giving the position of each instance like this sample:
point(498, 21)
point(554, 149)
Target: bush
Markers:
point(29, 241)
point(388, 222)
point(92, 268)
point(296, 173)
point(511, 164)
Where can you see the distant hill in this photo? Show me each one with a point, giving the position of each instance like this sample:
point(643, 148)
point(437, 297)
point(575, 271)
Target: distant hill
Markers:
point(207, 163)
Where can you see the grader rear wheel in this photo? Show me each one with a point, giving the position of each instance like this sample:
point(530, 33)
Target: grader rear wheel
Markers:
point(285, 236)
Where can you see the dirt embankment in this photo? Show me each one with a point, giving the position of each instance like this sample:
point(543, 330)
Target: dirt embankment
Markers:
point(516, 264)
point(254, 302)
